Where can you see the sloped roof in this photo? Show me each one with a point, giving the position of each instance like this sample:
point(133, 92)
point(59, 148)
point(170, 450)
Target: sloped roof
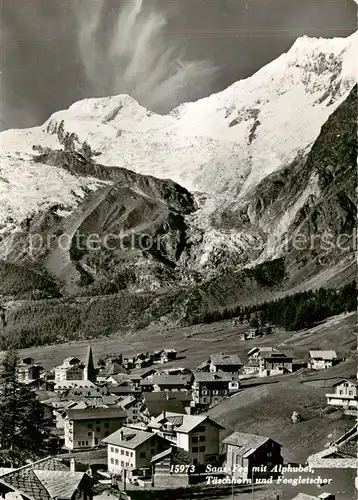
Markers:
point(128, 438)
point(60, 484)
point(261, 349)
point(182, 423)
point(38, 480)
point(305, 496)
point(225, 359)
point(27, 483)
point(113, 368)
point(182, 455)
point(171, 379)
point(95, 413)
point(247, 443)
point(327, 355)
point(127, 401)
point(274, 355)
point(166, 395)
point(350, 381)
point(161, 455)
point(52, 464)
point(214, 377)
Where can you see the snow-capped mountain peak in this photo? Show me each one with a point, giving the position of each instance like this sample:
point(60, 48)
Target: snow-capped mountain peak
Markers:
point(222, 145)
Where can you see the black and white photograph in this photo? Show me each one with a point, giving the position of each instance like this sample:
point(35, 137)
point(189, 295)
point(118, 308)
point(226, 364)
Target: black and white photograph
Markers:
point(178, 249)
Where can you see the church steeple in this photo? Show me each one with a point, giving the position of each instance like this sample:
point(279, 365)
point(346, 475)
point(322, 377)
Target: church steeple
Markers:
point(89, 371)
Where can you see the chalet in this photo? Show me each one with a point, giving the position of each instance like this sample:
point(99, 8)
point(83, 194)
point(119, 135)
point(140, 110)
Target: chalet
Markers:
point(146, 385)
point(164, 382)
point(87, 392)
point(168, 355)
point(112, 368)
point(345, 394)
point(87, 427)
point(210, 388)
point(124, 389)
point(131, 450)
point(74, 369)
point(154, 403)
point(246, 451)
point(162, 466)
point(230, 363)
point(117, 379)
point(143, 360)
point(204, 366)
point(28, 371)
point(46, 479)
point(132, 407)
point(128, 362)
point(254, 356)
point(320, 360)
point(253, 333)
point(137, 375)
point(70, 369)
point(198, 435)
point(274, 363)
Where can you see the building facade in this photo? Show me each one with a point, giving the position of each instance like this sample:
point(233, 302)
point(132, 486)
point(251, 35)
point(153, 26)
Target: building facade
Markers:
point(345, 394)
point(247, 453)
point(86, 428)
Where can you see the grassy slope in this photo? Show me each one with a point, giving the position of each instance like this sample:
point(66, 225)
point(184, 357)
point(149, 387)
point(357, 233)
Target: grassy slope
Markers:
point(266, 406)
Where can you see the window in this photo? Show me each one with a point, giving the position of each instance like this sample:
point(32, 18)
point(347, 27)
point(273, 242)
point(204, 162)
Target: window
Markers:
point(351, 393)
point(127, 453)
point(197, 439)
point(122, 452)
point(86, 443)
point(98, 421)
point(127, 463)
point(89, 426)
point(204, 393)
point(215, 393)
point(117, 450)
point(96, 441)
point(112, 460)
point(90, 434)
point(195, 449)
point(202, 448)
point(269, 454)
point(122, 464)
point(131, 453)
point(98, 429)
point(142, 454)
point(106, 434)
point(106, 425)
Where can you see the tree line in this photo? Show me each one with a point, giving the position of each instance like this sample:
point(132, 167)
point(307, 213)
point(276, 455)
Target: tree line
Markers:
point(293, 312)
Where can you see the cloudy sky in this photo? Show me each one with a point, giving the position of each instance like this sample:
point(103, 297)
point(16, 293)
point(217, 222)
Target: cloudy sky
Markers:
point(162, 52)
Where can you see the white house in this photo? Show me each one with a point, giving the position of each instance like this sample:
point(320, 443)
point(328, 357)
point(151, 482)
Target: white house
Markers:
point(344, 395)
point(198, 435)
point(320, 360)
point(131, 449)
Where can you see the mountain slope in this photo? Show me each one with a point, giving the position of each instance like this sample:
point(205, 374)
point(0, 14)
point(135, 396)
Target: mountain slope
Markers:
point(91, 216)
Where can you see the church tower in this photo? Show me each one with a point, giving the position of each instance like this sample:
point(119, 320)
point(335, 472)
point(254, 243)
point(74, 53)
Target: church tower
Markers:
point(89, 371)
